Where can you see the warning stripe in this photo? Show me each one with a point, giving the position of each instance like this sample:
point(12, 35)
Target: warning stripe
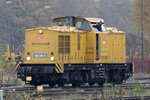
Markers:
point(56, 70)
point(59, 68)
point(17, 66)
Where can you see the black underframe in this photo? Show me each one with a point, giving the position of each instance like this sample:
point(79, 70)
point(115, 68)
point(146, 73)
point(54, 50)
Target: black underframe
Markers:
point(82, 73)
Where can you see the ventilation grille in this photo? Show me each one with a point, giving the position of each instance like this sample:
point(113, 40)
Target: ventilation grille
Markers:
point(63, 44)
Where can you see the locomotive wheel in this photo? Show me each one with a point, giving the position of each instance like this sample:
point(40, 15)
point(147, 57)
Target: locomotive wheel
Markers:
point(91, 83)
point(37, 84)
point(61, 84)
point(101, 83)
point(51, 84)
point(75, 84)
point(119, 78)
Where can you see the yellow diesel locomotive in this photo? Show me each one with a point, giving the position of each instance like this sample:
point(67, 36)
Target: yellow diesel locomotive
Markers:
point(74, 50)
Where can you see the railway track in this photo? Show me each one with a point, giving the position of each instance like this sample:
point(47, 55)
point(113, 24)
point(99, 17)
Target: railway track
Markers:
point(132, 84)
point(55, 89)
point(8, 84)
point(133, 98)
point(70, 90)
point(143, 78)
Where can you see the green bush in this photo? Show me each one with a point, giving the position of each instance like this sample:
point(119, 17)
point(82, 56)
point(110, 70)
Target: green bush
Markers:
point(5, 65)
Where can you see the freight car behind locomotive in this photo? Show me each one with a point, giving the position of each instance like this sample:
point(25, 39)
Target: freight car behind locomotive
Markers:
point(74, 50)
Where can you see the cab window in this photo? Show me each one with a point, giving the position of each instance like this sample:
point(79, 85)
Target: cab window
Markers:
point(59, 23)
point(99, 27)
point(83, 25)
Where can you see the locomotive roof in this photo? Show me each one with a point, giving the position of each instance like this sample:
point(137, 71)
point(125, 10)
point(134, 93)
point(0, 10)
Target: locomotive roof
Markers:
point(96, 20)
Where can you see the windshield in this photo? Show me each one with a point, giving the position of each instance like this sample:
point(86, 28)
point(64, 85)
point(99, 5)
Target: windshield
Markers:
point(82, 25)
point(59, 23)
point(99, 27)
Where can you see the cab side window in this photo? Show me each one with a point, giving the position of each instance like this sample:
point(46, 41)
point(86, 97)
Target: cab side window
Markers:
point(99, 27)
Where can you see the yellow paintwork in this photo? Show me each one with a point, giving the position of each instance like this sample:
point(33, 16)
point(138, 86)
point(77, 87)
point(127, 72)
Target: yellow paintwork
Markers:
point(13, 56)
point(8, 55)
point(133, 67)
point(17, 66)
point(112, 49)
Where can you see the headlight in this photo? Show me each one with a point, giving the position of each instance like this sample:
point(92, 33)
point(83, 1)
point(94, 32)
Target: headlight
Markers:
point(52, 58)
point(40, 31)
point(28, 58)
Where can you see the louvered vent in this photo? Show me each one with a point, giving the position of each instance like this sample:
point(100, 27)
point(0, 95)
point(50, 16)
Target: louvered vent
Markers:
point(63, 44)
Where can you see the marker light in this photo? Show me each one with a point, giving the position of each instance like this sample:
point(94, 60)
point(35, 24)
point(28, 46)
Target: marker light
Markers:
point(28, 58)
point(52, 58)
